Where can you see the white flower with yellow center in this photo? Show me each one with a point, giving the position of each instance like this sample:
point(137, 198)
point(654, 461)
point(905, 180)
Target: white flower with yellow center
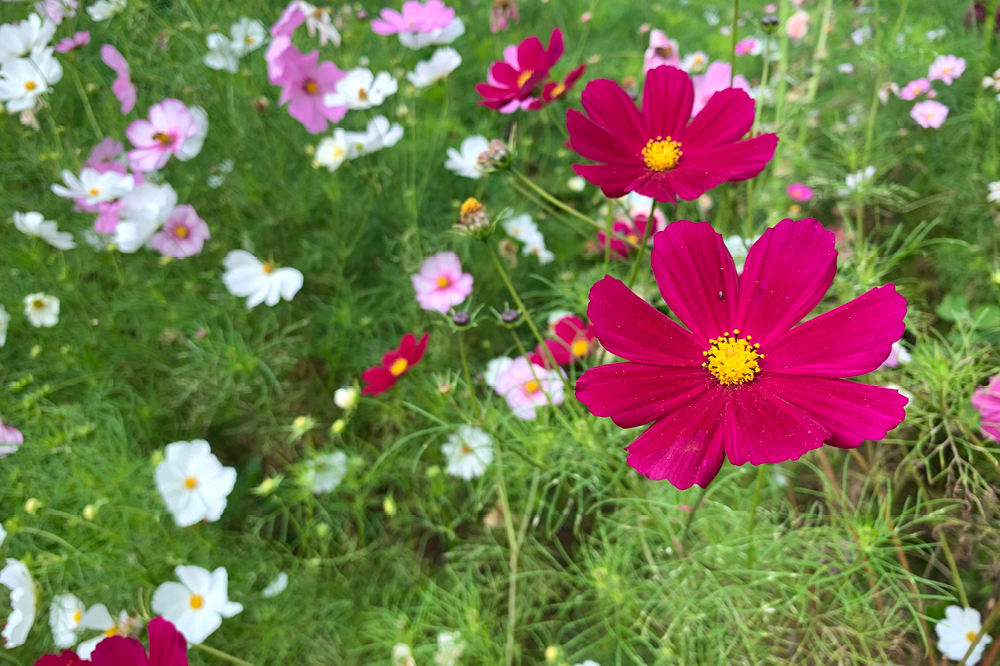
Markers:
point(97, 618)
point(468, 451)
point(197, 604)
point(23, 80)
point(261, 282)
point(956, 632)
point(65, 615)
point(35, 224)
point(23, 600)
point(334, 150)
point(17, 40)
point(428, 72)
point(94, 187)
point(361, 89)
point(193, 483)
point(465, 161)
point(41, 310)
point(247, 35)
point(378, 134)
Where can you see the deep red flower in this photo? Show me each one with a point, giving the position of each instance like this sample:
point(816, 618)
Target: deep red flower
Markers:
point(553, 90)
point(167, 647)
point(573, 342)
point(511, 81)
point(742, 380)
point(656, 152)
point(64, 658)
point(395, 364)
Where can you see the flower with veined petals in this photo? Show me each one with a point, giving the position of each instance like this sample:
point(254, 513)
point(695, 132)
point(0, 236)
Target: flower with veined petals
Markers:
point(261, 282)
point(946, 68)
point(395, 364)
point(986, 400)
point(661, 51)
point(574, 341)
point(173, 129)
point(526, 386)
point(715, 78)
point(512, 81)
point(183, 234)
point(799, 192)
point(193, 483)
point(469, 451)
point(656, 152)
point(197, 604)
point(23, 601)
point(441, 284)
point(305, 83)
point(929, 114)
point(957, 630)
point(741, 381)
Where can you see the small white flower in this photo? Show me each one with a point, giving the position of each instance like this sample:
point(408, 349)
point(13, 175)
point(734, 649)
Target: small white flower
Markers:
point(589, 662)
point(445, 35)
point(23, 80)
point(428, 72)
point(938, 33)
point(35, 224)
point(994, 194)
point(401, 655)
point(276, 586)
point(94, 187)
point(378, 134)
point(143, 211)
point(521, 227)
point(334, 150)
point(465, 161)
point(193, 483)
point(957, 631)
point(449, 648)
point(16, 577)
point(346, 397)
point(360, 89)
point(318, 22)
point(65, 615)
point(97, 618)
point(858, 179)
point(197, 604)
point(536, 246)
point(248, 35)
point(3, 534)
point(246, 275)
point(695, 62)
point(20, 39)
point(4, 325)
point(102, 10)
point(861, 35)
point(468, 452)
point(325, 472)
point(42, 310)
point(576, 184)
point(221, 55)
point(494, 368)
point(845, 68)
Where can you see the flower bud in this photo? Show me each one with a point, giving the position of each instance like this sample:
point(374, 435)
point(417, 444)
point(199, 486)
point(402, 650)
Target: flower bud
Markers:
point(90, 512)
point(461, 318)
point(473, 220)
point(338, 426)
point(346, 397)
point(769, 23)
point(495, 158)
point(268, 486)
point(551, 653)
point(32, 506)
point(389, 506)
point(510, 318)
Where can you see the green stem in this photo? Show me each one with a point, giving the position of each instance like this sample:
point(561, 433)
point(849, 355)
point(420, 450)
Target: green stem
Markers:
point(779, 112)
point(694, 510)
point(468, 376)
point(943, 540)
point(520, 306)
point(752, 523)
point(732, 56)
point(511, 561)
point(650, 221)
point(221, 655)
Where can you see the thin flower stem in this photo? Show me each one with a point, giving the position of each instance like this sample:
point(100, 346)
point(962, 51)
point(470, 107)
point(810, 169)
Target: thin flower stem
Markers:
point(650, 221)
point(607, 240)
point(779, 112)
point(982, 632)
point(732, 57)
point(511, 561)
point(694, 510)
point(221, 655)
point(86, 103)
point(753, 516)
point(943, 540)
point(468, 376)
point(520, 306)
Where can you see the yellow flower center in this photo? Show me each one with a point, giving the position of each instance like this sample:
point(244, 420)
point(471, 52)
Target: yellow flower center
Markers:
point(466, 450)
point(362, 94)
point(311, 87)
point(946, 69)
point(470, 206)
point(661, 153)
point(30, 85)
point(443, 282)
point(268, 267)
point(532, 386)
point(794, 209)
point(190, 483)
point(632, 238)
point(248, 39)
point(733, 360)
point(181, 231)
point(970, 636)
point(580, 347)
point(164, 138)
point(38, 304)
point(94, 191)
point(525, 75)
point(558, 90)
point(197, 601)
point(77, 616)
point(113, 631)
point(664, 51)
point(398, 367)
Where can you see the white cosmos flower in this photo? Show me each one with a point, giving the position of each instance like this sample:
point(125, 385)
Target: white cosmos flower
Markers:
point(956, 632)
point(3, 534)
point(35, 224)
point(193, 483)
point(360, 89)
point(334, 150)
point(695, 62)
point(191, 147)
point(248, 35)
point(20, 39)
point(221, 55)
point(449, 648)
point(325, 472)
point(42, 310)
point(468, 452)
point(402, 656)
point(246, 275)
point(494, 368)
point(445, 35)
point(4, 325)
point(65, 615)
point(318, 22)
point(994, 194)
point(378, 134)
point(465, 161)
point(856, 180)
point(23, 80)
point(94, 187)
point(102, 10)
point(428, 72)
point(16, 577)
point(276, 586)
point(143, 211)
point(524, 229)
point(97, 618)
point(197, 604)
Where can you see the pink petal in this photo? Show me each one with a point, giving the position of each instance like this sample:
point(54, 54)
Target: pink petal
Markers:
point(727, 117)
point(615, 180)
point(633, 394)
point(596, 143)
point(666, 102)
point(113, 58)
point(608, 105)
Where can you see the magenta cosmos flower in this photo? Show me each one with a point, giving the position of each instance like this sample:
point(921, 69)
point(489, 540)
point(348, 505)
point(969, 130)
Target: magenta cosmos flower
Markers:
point(172, 129)
point(742, 380)
point(655, 152)
point(305, 82)
point(986, 400)
point(799, 192)
point(183, 234)
point(511, 82)
point(441, 284)
point(929, 114)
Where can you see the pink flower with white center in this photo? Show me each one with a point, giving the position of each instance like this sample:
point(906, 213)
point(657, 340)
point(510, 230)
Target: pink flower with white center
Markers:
point(68, 44)
point(10, 439)
point(915, 89)
point(441, 284)
point(715, 78)
point(183, 234)
point(946, 68)
point(415, 17)
point(123, 88)
point(172, 129)
point(799, 192)
point(526, 386)
point(986, 400)
point(304, 83)
point(929, 114)
point(661, 51)
point(747, 46)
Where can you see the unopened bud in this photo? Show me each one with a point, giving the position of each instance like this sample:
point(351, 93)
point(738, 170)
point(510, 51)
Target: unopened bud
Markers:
point(346, 398)
point(338, 426)
point(473, 219)
point(461, 318)
point(32, 506)
point(90, 512)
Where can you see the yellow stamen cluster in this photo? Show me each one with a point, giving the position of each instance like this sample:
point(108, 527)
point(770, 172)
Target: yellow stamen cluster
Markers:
point(362, 94)
point(470, 206)
point(181, 231)
point(443, 282)
point(398, 367)
point(30, 85)
point(190, 483)
point(580, 347)
point(732, 359)
point(163, 138)
point(532, 386)
point(196, 601)
point(311, 87)
point(662, 153)
point(525, 75)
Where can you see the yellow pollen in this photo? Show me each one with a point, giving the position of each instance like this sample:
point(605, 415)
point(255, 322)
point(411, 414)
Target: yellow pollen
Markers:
point(632, 238)
point(532, 386)
point(443, 282)
point(163, 138)
point(970, 636)
point(38, 304)
point(181, 231)
point(661, 153)
point(268, 268)
point(94, 191)
point(664, 51)
point(77, 616)
point(197, 601)
point(248, 39)
point(30, 85)
point(579, 347)
point(398, 367)
point(310, 87)
point(525, 75)
point(794, 209)
point(190, 483)
point(732, 359)
point(362, 94)
point(113, 631)
point(558, 90)
point(470, 206)
point(466, 450)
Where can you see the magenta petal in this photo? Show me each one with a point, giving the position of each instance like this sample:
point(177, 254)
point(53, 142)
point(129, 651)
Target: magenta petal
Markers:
point(851, 340)
point(119, 651)
point(731, 161)
point(697, 278)
point(727, 117)
point(167, 646)
point(613, 179)
point(684, 447)
point(633, 394)
point(667, 99)
point(608, 105)
point(596, 143)
point(787, 273)
point(629, 327)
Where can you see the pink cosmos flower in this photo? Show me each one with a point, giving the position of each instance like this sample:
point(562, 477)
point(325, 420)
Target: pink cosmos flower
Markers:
point(57, 10)
point(797, 25)
point(172, 129)
point(526, 386)
point(281, 44)
point(715, 78)
point(929, 114)
point(986, 399)
point(747, 46)
point(304, 81)
point(633, 229)
point(123, 88)
point(770, 9)
point(914, 89)
point(503, 15)
point(10, 439)
point(416, 17)
point(441, 284)
point(799, 192)
point(661, 51)
point(79, 39)
point(741, 380)
point(183, 234)
point(946, 68)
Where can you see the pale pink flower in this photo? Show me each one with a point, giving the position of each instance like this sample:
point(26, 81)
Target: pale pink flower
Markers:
point(526, 386)
point(797, 25)
point(915, 89)
point(304, 84)
point(79, 39)
point(415, 17)
point(291, 18)
point(441, 284)
point(747, 46)
point(946, 68)
point(57, 10)
point(770, 9)
point(123, 88)
point(503, 15)
point(183, 234)
point(929, 114)
point(715, 78)
point(986, 400)
point(172, 129)
point(10, 439)
point(661, 51)
point(799, 192)
point(585, 17)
